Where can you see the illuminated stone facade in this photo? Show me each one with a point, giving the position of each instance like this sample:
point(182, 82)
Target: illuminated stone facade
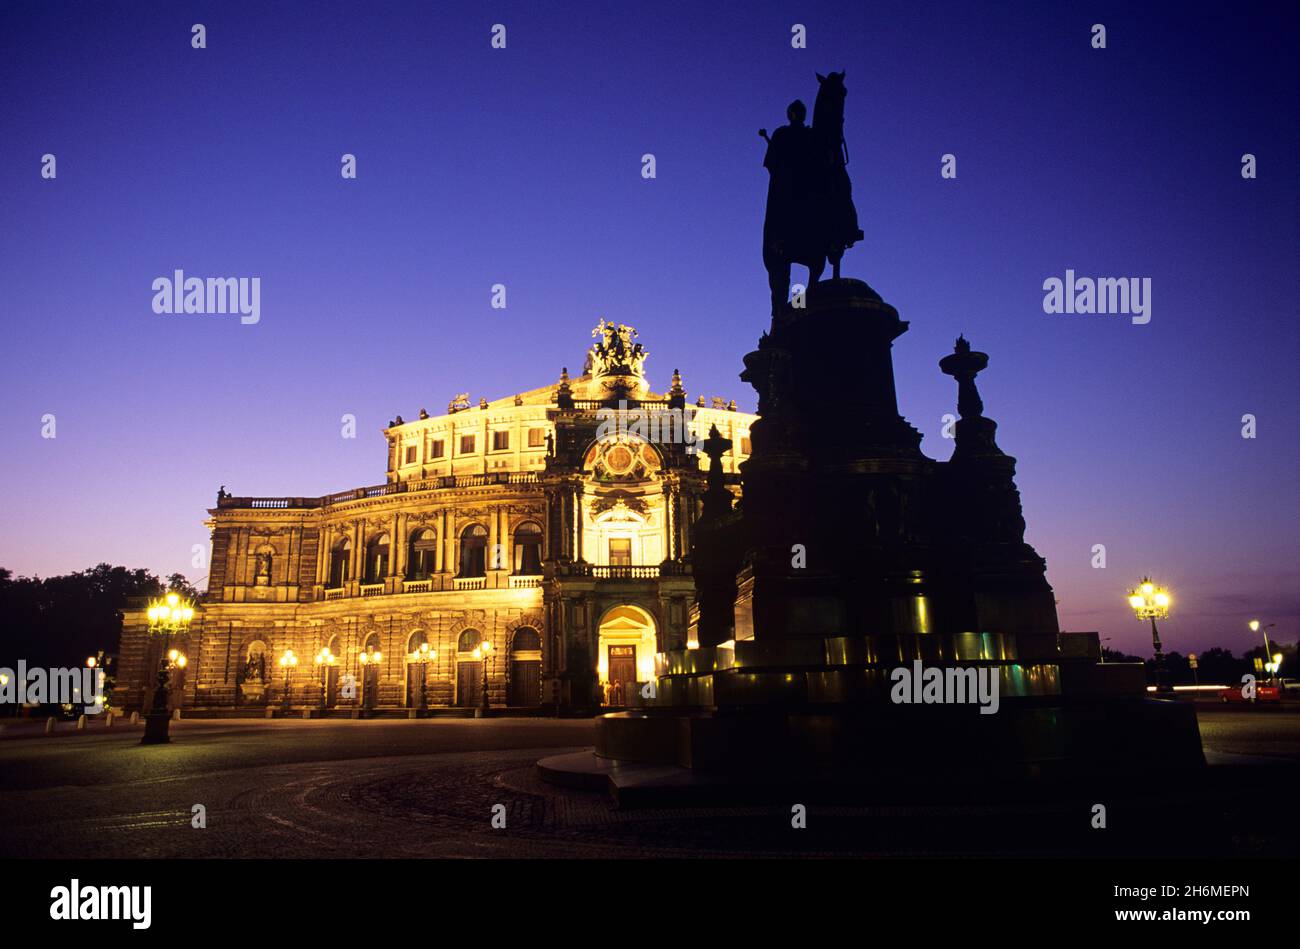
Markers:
point(554, 524)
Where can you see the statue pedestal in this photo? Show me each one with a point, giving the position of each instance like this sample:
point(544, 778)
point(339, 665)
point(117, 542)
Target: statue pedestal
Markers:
point(856, 557)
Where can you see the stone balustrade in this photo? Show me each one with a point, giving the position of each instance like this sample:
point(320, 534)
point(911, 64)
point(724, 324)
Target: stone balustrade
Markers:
point(382, 490)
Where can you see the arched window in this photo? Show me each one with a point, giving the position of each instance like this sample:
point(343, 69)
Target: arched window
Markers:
point(377, 559)
point(415, 641)
point(469, 641)
point(421, 558)
point(473, 551)
point(528, 549)
point(340, 559)
point(526, 639)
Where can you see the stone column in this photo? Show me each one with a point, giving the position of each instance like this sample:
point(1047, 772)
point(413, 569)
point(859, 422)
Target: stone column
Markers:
point(241, 556)
point(670, 522)
point(440, 522)
point(323, 556)
point(546, 526)
point(396, 546)
point(578, 523)
point(449, 564)
point(358, 557)
point(565, 498)
point(494, 538)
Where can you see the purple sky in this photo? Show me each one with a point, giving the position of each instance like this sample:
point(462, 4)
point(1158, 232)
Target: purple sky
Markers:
point(522, 166)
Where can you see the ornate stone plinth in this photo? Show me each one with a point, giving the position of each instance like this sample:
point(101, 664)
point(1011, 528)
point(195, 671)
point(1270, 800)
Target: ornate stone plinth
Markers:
point(855, 559)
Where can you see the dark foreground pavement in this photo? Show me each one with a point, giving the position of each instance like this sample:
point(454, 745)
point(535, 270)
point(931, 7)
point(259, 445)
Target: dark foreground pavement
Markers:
point(430, 788)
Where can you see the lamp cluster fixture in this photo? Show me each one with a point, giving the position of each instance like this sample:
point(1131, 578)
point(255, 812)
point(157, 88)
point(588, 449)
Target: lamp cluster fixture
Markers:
point(1149, 601)
point(170, 614)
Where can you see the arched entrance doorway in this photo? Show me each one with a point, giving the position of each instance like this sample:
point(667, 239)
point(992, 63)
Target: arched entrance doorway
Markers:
point(469, 669)
point(524, 687)
point(370, 658)
point(627, 644)
point(418, 656)
point(331, 684)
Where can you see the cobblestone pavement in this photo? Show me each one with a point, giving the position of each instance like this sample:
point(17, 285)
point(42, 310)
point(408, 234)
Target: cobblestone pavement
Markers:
point(344, 789)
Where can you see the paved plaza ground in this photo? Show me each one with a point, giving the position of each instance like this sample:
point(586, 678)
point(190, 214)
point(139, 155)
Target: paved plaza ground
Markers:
point(428, 788)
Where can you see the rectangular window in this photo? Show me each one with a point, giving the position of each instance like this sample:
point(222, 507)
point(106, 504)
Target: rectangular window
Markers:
point(536, 437)
point(437, 448)
point(410, 454)
point(467, 444)
point(745, 447)
point(620, 551)
point(500, 441)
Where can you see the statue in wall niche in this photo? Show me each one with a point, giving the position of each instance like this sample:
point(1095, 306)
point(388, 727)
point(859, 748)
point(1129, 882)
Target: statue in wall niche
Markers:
point(255, 668)
point(550, 445)
point(263, 575)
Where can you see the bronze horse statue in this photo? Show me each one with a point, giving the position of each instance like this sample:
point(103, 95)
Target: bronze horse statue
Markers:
point(810, 216)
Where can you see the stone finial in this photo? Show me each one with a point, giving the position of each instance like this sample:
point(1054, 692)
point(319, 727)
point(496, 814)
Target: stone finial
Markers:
point(964, 365)
point(564, 394)
point(717, 499)
point(423, 414)
point(715, 446)
point(975, 434)
point(676, 394)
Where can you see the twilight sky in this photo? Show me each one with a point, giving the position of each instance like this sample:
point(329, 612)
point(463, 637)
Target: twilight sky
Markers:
point(522, 166)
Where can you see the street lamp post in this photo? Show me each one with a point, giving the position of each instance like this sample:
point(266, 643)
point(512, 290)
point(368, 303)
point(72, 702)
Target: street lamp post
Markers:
point(368, 658)
point(1273, 667)
point(1257, 627)
point(92, 663)
point(287, 662)
point(1151, 602)
point(424, 655)
point(484, 650)
point(166, 616)
point(324, 659)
